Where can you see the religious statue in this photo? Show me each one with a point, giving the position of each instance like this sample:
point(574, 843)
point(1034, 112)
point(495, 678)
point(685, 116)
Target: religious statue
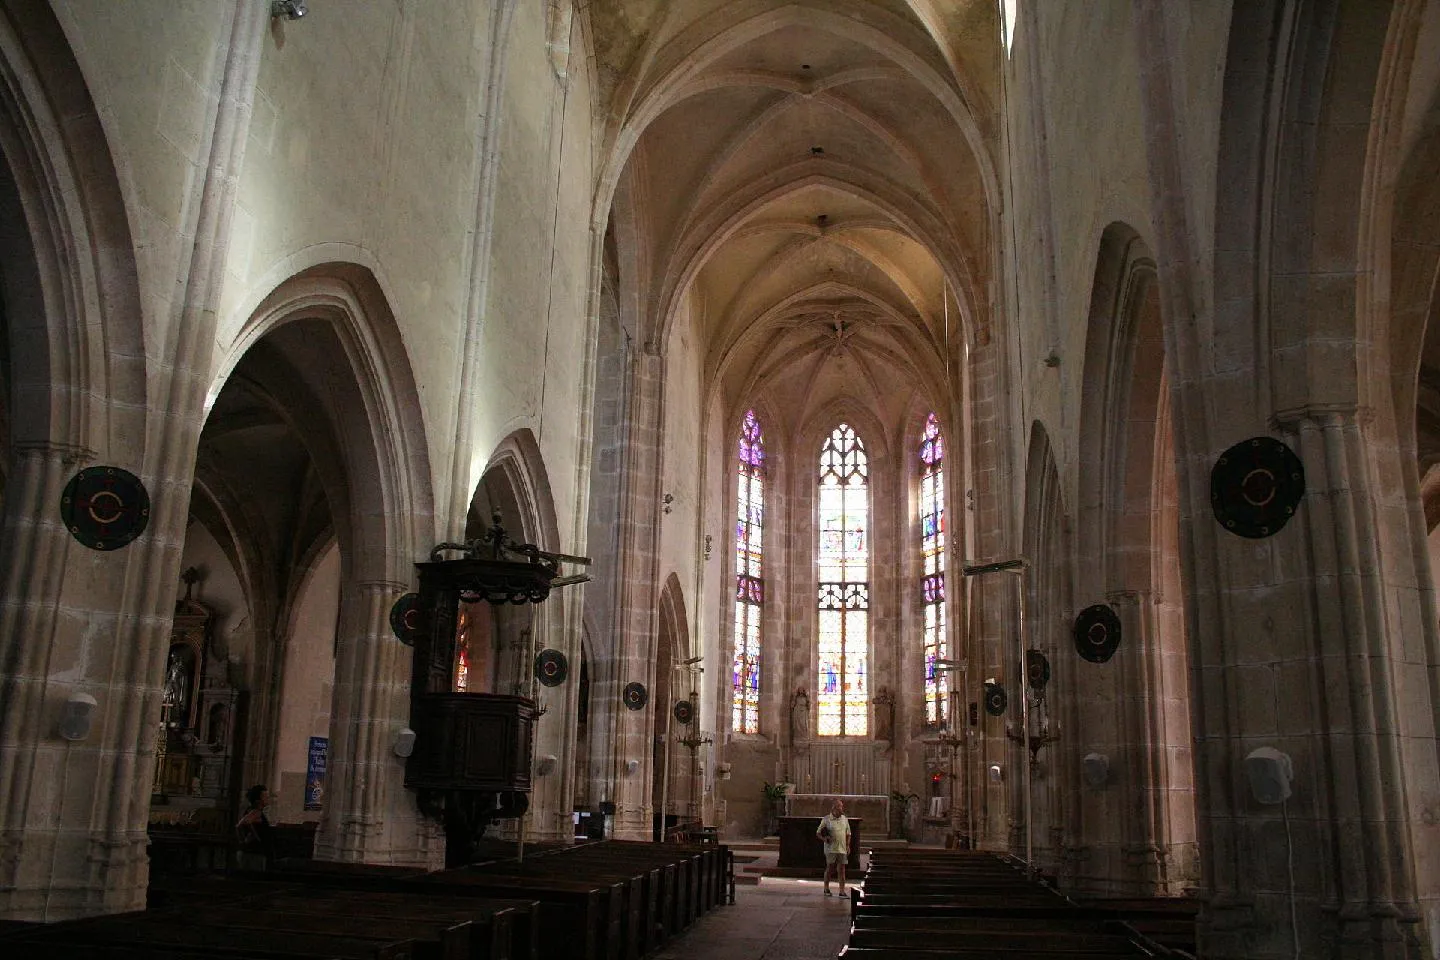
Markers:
point(884, 714)
point(799, 717)
point(177, 683)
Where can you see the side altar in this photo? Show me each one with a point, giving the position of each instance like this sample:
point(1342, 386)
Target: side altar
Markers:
point(867, 807)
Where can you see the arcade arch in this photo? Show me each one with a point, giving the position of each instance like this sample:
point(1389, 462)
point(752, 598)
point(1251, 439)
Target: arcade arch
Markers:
point(309, 476)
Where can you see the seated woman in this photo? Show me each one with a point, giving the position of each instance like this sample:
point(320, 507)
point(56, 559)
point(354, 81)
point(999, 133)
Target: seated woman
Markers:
point(253, 831)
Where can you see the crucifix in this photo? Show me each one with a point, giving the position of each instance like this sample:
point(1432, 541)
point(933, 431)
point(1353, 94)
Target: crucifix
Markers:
point(839, 767)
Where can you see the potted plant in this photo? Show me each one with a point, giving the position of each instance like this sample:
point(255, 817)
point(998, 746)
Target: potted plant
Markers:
point(774, 805)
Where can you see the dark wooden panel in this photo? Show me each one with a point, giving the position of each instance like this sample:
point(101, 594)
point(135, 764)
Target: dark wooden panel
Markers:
point(471, 741)
point(799, 847)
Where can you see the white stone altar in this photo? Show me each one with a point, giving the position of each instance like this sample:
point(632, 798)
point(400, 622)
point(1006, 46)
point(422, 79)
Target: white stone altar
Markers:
point(874, 810)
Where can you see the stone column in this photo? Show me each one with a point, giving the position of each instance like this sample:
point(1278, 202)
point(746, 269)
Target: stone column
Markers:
point(637, 615)
point(38, 844)
point(369, 816)
point(551, 797)
point(1317, 675)
point(1140, 758)
point(604, 716)
point(73, 833)
point(989, 643)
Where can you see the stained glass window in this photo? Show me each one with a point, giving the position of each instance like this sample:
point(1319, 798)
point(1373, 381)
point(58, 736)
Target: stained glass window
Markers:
point(844, 590)
point(462, 652)
point(932, 555)
point(749, 585)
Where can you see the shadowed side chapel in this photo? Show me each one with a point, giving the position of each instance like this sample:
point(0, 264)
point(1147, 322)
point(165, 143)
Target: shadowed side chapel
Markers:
point(501, 470)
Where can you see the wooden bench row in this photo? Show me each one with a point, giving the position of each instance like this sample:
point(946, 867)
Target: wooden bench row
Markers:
point(286, 923)
point(604, 901)
point(645, 893)
point(965, 906)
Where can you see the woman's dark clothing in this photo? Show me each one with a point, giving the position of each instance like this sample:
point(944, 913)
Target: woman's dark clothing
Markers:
point(257, 837)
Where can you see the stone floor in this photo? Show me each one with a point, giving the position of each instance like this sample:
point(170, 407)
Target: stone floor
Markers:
point(777, 919)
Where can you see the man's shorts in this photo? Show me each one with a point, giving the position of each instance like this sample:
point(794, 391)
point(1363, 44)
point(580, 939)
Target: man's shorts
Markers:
point(836, 857)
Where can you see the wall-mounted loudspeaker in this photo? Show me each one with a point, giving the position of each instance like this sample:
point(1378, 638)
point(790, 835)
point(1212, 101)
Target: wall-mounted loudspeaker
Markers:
point(75, 721)
point(1095, 768)
point(404, 743)
point(1270, 773)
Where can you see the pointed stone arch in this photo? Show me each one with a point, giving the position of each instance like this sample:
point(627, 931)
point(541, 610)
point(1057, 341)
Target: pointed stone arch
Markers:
point(1304, 171)
point(324, 351)
point(378, 413)
point(72, 293)
point(672, 683)
point(1046, 536)
point(73, 392)
point(518, 459)
point(1135, 707)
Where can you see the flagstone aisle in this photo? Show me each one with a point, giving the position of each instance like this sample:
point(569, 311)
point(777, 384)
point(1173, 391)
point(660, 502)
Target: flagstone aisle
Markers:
point(777, 920)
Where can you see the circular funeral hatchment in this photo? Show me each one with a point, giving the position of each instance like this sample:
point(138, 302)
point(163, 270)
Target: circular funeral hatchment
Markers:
point(1255, 487)
point(684, 712)
point(995, 699)
point(105, 507)
point(1037, 669)
point(634, 695)
point(1097, 633)
point(551, 667)
point(405, 618)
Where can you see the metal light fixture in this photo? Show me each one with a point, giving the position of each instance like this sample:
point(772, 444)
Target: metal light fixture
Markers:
point(289, 9)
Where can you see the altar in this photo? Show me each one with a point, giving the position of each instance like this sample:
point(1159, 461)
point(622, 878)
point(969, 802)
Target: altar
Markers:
point(868, 807)
point(801, 848)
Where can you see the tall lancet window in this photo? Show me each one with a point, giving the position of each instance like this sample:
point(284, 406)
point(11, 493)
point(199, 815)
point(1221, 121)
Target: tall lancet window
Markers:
point(749, 585)
point(844, 576)
point(932, 556)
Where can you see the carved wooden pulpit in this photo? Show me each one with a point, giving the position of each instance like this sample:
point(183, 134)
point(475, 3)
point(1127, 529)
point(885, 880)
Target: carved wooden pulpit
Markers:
point(472, 756)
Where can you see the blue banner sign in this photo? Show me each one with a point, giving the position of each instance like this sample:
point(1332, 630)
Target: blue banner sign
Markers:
point(315, 772)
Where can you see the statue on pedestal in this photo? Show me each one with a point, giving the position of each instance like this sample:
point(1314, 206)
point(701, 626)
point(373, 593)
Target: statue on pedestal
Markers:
point(799, 718)
point(884, 714)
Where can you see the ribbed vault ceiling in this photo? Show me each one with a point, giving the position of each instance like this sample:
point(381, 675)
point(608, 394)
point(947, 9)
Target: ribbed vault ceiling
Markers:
point(810, 176)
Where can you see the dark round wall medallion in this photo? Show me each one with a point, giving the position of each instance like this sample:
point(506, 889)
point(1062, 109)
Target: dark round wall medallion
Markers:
point(684, 712)
point(1097, 633)
point(995, 699)
point(1255, 487)
point(551, 667)
point(635, 696)
point(1037, 669)
point(105, 507)
point(405, 618)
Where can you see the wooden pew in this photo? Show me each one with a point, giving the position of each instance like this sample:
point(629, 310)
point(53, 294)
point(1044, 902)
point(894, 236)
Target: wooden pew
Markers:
point(980, 952)
point(577, 918)
point(169, 891)
point(164, 935)
point(1169, 921)
point(431, 940)
point(686, 883)
point(499, 930)
point(959, 906)
point(508, 927)
point(677, 883)
point(1026, 942)
point(359, 876)
point(622, 895)
point(649, 892)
